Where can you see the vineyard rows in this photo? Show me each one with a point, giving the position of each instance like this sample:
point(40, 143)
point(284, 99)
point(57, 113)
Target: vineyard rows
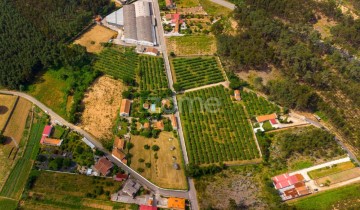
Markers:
point(152, 72)
point(258, 105)
point(216, 136)
point(196, 72)
point(117, 63)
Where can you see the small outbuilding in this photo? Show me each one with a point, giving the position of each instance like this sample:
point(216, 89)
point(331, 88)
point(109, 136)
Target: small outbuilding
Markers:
point(125, 108)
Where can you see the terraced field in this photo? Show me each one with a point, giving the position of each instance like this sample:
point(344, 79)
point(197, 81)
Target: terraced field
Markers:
point(152, 72)
point(216, 129)
point(118, 62)
point(196, 72)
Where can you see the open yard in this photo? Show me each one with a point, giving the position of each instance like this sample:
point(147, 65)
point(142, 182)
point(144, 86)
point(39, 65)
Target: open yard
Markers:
point(339, 177)
point(119, 62)
point(196, 72)
point(93, 38)
point(340, 198)
point(191, 45)
point(49, 88)
point(321, 172)
point(102, 102)
point(161, 171)
point(7, 103)
point(53, 190)
point(216, 129)
point(152, 71)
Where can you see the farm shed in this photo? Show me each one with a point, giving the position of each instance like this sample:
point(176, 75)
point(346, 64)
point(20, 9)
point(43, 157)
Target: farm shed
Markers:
point(51, 141)
point(116, 18)
point(284, 180)
point(87, 142)
point(139, 26)
point(125, 108)
point(47, 130)
point(103, 166)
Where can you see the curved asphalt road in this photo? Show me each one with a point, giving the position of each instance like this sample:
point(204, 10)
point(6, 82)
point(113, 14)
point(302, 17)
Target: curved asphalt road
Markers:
point(98, 145)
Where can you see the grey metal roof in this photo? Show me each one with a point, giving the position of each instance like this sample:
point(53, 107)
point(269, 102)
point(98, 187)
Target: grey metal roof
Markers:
point(116, 18)
point(144, 29)
point(130, 31)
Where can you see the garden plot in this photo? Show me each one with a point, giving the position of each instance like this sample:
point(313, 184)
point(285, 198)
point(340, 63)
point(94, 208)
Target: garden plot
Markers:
point(216, 134)
point(257, 105)
point(152, 73)
point(102, 102)
point(191, 45)
point(196, 72)
point(7, 103)
point(339, 177)
point(120, 63)
point(93, 38)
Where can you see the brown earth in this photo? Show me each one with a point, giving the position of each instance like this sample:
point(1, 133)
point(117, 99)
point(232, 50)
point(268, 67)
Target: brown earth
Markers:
point(7, 103)
point(93, 38)
point(102, 102)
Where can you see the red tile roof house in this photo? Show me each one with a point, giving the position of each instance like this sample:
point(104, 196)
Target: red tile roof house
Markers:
point(103, 166)
point(237, 95)
point(45, 140)
point(120, 177)
point(290, 186)
point(169, 4)
point(144, 207)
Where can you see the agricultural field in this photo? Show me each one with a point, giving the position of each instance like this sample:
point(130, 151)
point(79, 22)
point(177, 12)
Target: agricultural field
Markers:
point(93, 38)
point(342, 176)
point(196, 72)
point(102, 102)
point(49, 88)
point(7, 103)
point(8, 204)
point(214, 9)
point(152, 72)
point(119, 62)
point(257, 105)
point(346, 197)
point(16, 180)
point(70, 191)
point(161, 171)
point(216, 131)
point(187, 3)
point(321, 172)
point(191, 45)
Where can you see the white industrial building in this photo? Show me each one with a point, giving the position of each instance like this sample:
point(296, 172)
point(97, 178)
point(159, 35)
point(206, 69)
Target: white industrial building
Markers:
point(116, 18)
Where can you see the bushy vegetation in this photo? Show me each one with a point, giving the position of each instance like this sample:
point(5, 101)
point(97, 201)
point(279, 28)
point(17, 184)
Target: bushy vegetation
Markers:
point(257, 105)
point(152, 73)
point(216, 132)
point(196, 171)
point(121, 63)
point(195, 72)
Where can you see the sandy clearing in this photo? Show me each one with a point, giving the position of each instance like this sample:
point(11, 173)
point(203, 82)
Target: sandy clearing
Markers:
point(93, 37)
point(102, 101)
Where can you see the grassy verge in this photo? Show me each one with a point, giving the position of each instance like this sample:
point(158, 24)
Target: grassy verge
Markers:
point(321, 172)
point(8, 204)
point(326, 200)
point(214, 9)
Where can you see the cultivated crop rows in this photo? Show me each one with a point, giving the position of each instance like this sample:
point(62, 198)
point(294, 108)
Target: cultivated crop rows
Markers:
point(223, 134)
point(257, 105)
point(119, 64)
point(152, 73)
point(196, 72)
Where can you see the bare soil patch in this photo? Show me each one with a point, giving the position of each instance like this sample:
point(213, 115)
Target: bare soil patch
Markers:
point(93, 38)
point(17, 122)
point(339, 177)
point(250, 75)
point(7, 103)
point(102, 101)
point(161, 171)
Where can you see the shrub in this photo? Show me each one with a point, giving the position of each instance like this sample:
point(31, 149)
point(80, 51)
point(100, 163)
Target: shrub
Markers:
point(155, 148)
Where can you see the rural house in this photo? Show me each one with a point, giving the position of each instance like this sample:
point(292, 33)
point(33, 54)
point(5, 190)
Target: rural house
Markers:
point(176, 203)
point(169, 4)
point(264, 118)
point(131, 187)
point(237, 95)
point(119, 143)
point(45, 140)
point(120, 177)
point(125, 108)
point(159, 125)
point(151, 51)
point(103, 166)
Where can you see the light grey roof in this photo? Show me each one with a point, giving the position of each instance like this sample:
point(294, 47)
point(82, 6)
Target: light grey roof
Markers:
point(116, 18)
point(130, 31)
point(144, 32)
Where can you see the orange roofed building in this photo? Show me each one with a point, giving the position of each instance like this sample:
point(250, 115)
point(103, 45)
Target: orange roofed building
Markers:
point(103, 166)
point(173, 122)
point(125, 108)
point(264, 118)
point(237, 95)
point(176, 203)
point(159, 125)
point(51, 141)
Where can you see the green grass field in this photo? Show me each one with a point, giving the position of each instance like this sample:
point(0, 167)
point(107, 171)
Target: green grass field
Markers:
point(321, 172)
point(297, 165)
point(196, 72)
point(118, 62)
point(71, 191)
point(8, 204)
point(214, 9)
point(16, 181)
point(50, 90)
point(326, 200)
point(192, 45)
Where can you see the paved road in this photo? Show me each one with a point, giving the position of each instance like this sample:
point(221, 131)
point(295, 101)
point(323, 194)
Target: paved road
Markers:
point(224, 4)
point(98, 145)
point(162, 46)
